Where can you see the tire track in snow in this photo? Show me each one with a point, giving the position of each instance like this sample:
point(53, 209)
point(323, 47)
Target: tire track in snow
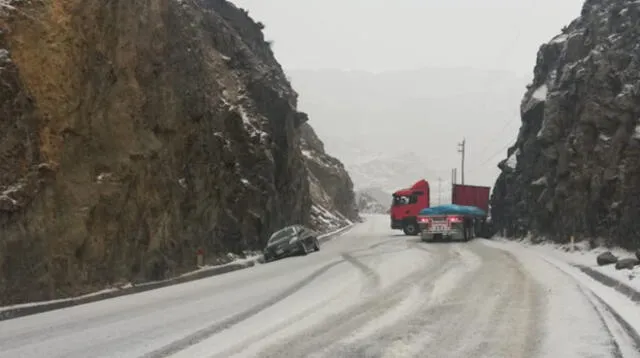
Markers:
point(372, 279)
point(407, 334)
point(372, 284)
point(379, 335)
point(336, 327)
point(617, 327)
point(209, 331)
point(453, 311)
point(378, 254)
point(623, 331)
point(238, 348)
point(513, 313)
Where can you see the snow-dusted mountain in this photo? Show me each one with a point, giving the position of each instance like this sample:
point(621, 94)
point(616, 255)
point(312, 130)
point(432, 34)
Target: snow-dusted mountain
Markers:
point(389, 172)
point(369, 205)
point(373, 201)
point(393, 128)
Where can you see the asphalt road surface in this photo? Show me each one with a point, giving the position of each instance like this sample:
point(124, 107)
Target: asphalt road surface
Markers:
point(371, 292)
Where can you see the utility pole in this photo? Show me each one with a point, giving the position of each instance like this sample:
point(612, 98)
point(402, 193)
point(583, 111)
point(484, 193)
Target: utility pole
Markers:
point(454, 179)
point(461, 150)
point(439, 191)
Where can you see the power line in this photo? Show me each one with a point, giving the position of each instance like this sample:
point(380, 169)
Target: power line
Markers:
point(509, 121)
point(510, 143)
point(504, 57)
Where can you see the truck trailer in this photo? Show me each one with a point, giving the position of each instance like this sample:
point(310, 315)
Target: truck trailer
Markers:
point(463, 220)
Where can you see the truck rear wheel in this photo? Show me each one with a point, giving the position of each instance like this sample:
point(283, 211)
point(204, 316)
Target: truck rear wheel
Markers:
point(467, 230)
point(410, 229)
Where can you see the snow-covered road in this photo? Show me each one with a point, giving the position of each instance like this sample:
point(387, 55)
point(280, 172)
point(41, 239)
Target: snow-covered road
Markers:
point(370, 292)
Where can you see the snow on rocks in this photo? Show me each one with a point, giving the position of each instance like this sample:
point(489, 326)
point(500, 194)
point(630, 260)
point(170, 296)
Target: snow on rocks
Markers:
point(252, 122)
point(512, 161)
point(636, 132)
point(540, 182)
point(327, 220)
point(559, 39)
point(539, 95)
point(8, 201)
point(4, 57)
point(6, 193)
point(6, 5)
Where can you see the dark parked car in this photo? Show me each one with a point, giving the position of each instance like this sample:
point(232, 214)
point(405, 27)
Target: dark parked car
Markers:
point(291, 240)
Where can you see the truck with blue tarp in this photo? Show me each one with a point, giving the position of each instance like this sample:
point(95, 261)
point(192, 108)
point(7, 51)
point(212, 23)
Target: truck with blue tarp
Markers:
point(463, 220)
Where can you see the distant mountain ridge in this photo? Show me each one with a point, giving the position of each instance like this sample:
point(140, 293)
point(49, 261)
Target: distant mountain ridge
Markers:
point(373, 201)
point(393, 128)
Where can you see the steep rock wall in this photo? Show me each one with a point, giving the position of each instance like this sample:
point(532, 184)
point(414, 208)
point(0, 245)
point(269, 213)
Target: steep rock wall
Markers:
point(575, 168)
point(334, 203)
point(133, 133)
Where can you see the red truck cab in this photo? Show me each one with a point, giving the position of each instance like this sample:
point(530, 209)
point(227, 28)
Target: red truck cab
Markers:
point(406, 205)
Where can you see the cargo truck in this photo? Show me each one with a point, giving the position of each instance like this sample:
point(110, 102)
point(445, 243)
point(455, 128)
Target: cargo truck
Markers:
point(464, 219)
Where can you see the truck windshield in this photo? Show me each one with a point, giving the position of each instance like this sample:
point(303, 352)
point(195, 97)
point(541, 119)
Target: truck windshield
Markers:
point(401, 200)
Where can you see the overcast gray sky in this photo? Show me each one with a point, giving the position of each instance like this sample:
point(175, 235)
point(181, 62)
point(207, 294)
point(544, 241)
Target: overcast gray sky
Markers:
point(396, 35)
point(379, 35)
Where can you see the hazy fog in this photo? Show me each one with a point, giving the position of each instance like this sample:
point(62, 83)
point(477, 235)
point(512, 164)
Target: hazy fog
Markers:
point(425, 74)
point(393, 128)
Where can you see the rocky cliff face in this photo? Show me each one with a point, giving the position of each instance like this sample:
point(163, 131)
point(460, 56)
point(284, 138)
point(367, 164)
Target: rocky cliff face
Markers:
point(575, 168)
point(331, 187)
point(133, 133)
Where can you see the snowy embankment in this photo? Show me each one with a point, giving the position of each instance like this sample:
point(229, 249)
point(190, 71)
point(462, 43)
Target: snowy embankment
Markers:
point(613, 293)
point(237, 263)
point(582, 256)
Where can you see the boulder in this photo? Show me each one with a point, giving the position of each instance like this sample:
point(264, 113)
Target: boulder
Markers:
point(606, 258)
point(627, 263)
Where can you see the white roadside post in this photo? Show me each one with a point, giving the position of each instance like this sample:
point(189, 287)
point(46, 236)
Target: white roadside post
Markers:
point(573, 247)
point(200, 257)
